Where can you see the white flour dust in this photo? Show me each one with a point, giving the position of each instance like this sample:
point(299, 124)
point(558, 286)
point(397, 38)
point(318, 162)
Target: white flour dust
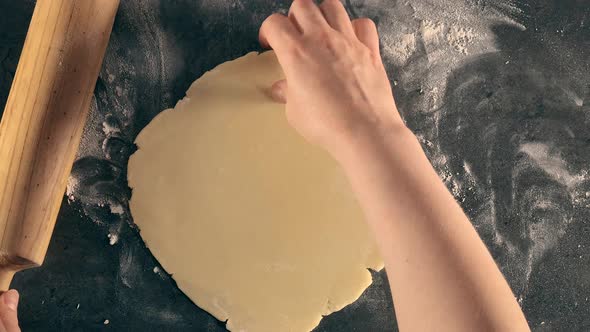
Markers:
point(461, 38)
point(401, 49)
point(113, 238)
point(108, 132)
point(551, 163)
point(433, 38)
point(432, 32)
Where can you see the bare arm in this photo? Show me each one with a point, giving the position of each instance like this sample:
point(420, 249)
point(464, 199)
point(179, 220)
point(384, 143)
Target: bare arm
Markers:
point(338, 96)
point(441, 274)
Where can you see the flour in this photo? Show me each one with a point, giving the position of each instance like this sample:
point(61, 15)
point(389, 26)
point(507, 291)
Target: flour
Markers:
point(551, 163)
point(467, 168)
point(401, 50)
point(71, 188)
point(460, 38)
point(429, 39)
point(90, 144)
point(128, 268)
point(165, 315)
point(117, 209)
point(432, 32)
point(113, 238)
point(110, 130)
point(97, 183)
point(159, 272)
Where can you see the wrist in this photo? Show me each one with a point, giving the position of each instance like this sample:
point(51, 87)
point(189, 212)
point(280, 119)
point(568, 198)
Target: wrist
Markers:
point(377, 140)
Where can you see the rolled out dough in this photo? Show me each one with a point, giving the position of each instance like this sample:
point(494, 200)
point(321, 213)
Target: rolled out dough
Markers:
point(254, 224)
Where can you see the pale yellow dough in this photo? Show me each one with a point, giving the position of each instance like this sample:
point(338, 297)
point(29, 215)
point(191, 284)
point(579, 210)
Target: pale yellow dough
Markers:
point(255, 225)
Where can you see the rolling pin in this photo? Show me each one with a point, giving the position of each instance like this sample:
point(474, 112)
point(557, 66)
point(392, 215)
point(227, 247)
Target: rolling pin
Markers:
point(43, 121)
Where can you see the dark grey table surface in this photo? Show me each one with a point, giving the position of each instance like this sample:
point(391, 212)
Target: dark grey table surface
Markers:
point(496, 90)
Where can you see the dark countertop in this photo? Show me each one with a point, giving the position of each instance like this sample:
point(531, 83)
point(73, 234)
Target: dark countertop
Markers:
point(496, 90)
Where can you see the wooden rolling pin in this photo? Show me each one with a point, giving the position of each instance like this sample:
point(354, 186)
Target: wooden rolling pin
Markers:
point(43, 121)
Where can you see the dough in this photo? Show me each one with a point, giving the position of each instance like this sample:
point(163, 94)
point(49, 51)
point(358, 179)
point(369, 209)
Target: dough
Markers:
point(255, 225)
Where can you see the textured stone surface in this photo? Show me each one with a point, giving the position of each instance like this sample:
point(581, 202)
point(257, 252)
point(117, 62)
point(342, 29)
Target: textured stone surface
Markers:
point(497, 91)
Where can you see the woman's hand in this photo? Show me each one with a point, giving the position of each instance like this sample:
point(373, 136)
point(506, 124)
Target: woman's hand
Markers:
point(336, 84)
point(8, 316)
point(441, 274)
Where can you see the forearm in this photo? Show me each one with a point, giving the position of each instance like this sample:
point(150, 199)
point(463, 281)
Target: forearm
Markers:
point(441, 274)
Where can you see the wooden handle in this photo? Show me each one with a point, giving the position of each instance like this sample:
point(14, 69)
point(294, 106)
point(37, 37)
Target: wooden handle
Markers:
point(43, 122)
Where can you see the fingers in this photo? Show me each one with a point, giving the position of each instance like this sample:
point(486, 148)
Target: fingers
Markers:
point(278, 91)
point(8, 315)
point(366, 32)
point(277, 32)
point(336, 16)
point(307, 16)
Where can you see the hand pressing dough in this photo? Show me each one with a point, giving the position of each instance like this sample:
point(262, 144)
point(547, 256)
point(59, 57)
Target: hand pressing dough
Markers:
point(256, 226)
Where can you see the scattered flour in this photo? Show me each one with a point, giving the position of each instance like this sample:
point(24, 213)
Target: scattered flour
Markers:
point(467, 168)
point(109, 129)
point(460, 38)
point(117, 209)
point(403, 48)
point(551, 163)
point(159, 272)
point(432, 32)
point(113, 238)
point(426, 40)
point(71, 188)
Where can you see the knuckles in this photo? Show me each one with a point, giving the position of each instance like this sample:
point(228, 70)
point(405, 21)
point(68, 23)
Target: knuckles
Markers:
point(330, 41)
point(326, 42)
point(336, 47)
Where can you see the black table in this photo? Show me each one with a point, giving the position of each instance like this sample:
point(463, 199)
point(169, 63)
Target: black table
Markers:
point(496, 90)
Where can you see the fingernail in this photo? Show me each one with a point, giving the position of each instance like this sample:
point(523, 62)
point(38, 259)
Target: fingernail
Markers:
point(11, 299)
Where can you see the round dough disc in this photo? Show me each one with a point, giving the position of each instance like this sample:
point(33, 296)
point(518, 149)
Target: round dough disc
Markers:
point(256, 225)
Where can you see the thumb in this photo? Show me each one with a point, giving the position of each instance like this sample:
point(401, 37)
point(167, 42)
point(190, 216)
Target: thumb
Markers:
point(279, 91)
point(10, 299)
point(8, 307)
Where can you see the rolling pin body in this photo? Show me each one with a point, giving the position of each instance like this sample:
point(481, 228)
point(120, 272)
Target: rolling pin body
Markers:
point(43, 121)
